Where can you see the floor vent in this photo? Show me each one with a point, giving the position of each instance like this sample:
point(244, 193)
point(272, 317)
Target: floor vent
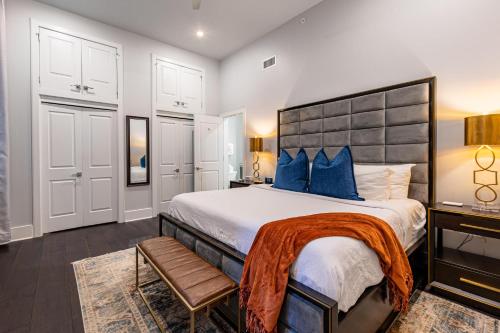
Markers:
point(269, 62)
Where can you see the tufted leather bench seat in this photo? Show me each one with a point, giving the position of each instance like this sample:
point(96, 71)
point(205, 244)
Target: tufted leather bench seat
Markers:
point(196, 283)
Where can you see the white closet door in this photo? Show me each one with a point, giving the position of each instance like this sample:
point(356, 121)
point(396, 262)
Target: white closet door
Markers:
point(100, 167)
point(168, 96)
point(187, 156)
point(61, 168)
point(208, 155)
point(191, 90)
point(60, 64)
point(169, 166)
point(99, 72)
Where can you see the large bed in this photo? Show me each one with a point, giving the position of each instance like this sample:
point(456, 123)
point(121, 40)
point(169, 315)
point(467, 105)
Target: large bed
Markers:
point(336, 283)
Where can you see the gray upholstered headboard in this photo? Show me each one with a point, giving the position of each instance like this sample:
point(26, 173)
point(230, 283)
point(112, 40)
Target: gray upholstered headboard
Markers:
point(389, 125)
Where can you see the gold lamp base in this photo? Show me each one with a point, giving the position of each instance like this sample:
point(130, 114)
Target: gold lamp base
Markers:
point(484, 203)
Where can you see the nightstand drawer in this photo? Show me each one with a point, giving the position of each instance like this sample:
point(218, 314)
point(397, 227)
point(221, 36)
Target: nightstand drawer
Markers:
point(468, 224)
point(484, 285)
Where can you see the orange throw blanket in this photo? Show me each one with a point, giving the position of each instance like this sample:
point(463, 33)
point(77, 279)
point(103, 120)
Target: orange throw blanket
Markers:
point(277, 245)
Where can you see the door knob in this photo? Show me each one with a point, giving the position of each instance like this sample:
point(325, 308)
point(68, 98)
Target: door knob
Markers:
point(177, 170)
point(87, 88)
point(199, 168)
point(77, 175)
point(77, 86)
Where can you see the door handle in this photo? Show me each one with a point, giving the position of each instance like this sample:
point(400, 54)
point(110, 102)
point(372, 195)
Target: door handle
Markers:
point(87, 88)
point(177, 170)
point(177, 103)
point(77, 175)
point(184, 104)
point(199, 168)
point(77, 86)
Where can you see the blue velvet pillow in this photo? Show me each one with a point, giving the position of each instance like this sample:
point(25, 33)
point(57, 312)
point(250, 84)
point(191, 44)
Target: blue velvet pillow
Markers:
point(334, 178)
point(292, 174)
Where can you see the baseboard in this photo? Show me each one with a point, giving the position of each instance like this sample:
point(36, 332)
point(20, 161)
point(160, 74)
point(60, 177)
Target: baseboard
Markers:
point(22, 232)
point(138, 214)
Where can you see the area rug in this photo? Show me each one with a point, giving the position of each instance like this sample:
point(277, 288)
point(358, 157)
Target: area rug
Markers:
point(109, 302)
point(429, 313)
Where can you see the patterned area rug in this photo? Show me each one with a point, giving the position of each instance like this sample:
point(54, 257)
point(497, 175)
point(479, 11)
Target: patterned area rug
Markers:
point(109, 302)
point(429, 313)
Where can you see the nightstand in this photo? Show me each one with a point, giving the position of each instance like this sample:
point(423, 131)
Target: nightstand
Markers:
point(469, 278)
point(241, 183)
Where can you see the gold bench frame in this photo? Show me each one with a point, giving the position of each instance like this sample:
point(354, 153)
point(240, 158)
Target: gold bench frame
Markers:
point(192, 310)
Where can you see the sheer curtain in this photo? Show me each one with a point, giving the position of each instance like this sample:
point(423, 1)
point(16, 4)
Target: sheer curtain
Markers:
point(4, 144)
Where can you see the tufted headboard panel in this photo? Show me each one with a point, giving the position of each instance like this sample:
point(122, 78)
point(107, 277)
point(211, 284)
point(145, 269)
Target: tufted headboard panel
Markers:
point(391, 125)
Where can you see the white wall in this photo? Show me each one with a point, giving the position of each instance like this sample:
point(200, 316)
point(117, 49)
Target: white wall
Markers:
point(137, 89)
point(348, 46)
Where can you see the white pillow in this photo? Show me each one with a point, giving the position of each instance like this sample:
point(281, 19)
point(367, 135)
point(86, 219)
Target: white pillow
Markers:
point(400, 180)
point(373, 181)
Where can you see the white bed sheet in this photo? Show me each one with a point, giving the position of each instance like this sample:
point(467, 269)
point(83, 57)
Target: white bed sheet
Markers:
point(339, 267)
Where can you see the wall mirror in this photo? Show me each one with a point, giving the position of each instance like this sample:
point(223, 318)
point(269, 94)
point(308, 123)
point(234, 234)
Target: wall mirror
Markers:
point(137, 151)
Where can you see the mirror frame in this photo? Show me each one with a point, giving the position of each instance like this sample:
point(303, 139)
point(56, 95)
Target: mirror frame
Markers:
point(148, 154)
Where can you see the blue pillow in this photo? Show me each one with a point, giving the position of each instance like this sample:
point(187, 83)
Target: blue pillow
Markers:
point(292, 174)
point(334, 178)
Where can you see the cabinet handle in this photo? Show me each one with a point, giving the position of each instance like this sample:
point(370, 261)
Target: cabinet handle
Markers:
point(87, 88)
point(199, 168)
point(77, 86)
point(184, 104)
point(480, 285)
point(470, 226)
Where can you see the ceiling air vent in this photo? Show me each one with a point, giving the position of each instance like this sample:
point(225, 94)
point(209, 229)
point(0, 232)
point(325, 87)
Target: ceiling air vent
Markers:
point(269, 62)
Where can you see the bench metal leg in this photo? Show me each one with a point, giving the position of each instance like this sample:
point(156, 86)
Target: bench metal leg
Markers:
point(192, 322)
point(136, 268)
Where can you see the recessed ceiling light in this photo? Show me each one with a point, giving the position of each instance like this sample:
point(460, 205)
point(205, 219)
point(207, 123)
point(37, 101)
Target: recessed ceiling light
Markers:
point(200, 33)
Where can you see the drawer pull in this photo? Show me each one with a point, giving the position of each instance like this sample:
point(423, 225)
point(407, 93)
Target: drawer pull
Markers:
point(470, 226)
point(480, 285)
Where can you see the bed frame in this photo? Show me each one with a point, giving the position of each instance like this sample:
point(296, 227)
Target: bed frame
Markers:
point(390, 125)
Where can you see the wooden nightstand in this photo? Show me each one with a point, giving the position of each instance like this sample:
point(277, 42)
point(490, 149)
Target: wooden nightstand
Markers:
point(465, 277)
point(241, 183)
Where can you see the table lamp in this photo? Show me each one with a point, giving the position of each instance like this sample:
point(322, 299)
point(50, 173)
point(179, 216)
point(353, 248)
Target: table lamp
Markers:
point(256, 146)
point(484, 131)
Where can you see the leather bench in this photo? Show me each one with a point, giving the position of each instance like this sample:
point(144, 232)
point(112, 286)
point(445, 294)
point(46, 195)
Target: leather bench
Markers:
point(195, 282)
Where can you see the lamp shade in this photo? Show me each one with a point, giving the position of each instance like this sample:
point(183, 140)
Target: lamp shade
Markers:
point(482, 130)
point(256, 144)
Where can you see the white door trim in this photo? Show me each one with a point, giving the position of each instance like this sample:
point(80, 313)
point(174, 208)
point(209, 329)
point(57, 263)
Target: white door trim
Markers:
point(36, 100)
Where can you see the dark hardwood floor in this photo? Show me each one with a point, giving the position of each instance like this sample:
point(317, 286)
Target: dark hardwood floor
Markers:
point(37, 286)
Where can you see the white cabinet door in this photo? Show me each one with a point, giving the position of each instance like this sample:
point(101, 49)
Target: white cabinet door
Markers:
point(100, 167)
point(79, 167)
point(191, 90)
point(168, 96)
point(175, 137)
point(99, 72)
point(169, 168)
point(187, 156)
point(208, 156)
point(61, 168)
point(60, 64)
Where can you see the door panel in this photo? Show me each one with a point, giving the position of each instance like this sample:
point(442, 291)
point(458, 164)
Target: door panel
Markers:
point(60, 64)
point(208, 155)
point(191, 90)
point(99, 72)
point(63, 197)
point(99, 167)
point(167, 87)
point(169, 161)
point(61, 148)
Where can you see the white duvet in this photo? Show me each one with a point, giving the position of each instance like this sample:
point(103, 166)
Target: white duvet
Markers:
point(338, 267)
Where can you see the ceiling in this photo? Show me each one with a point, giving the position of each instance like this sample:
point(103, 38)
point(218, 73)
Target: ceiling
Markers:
point(228, 24)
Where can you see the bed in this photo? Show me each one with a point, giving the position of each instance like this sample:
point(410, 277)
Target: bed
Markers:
point(336, 282)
